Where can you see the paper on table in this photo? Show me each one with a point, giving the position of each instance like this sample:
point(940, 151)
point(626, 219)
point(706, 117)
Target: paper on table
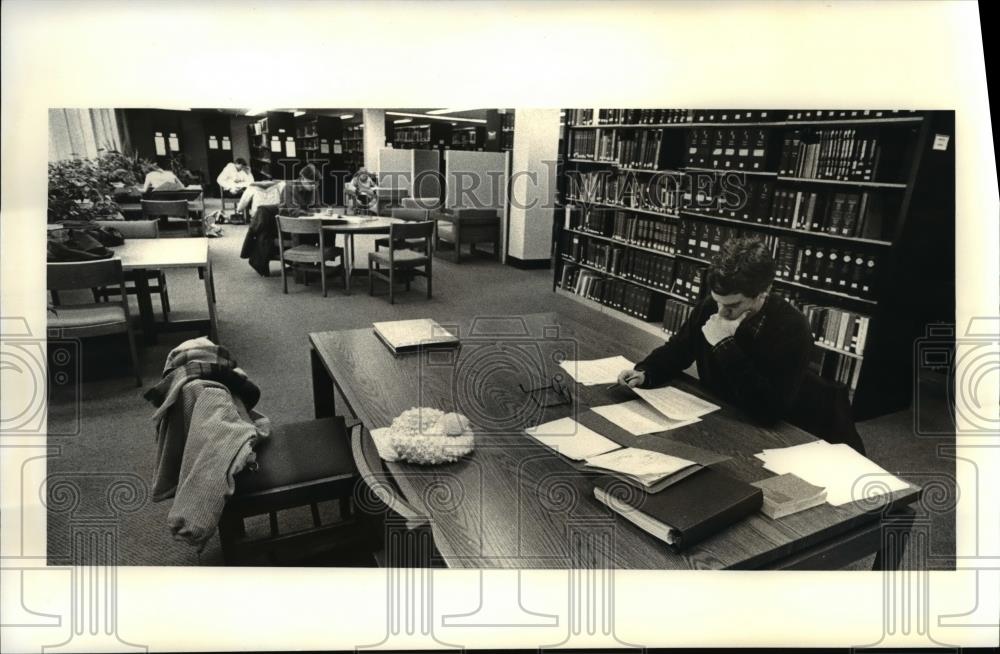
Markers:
point(638, 418)
point(571, 439)
point(675, 403)
point(382, 443)
point(639, 463)
point(597, 371)
point(846, 475)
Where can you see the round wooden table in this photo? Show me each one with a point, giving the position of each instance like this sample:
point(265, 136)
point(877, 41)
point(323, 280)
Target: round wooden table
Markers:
point(349, 226)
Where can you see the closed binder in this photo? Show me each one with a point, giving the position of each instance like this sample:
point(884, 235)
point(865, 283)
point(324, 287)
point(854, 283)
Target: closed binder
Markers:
point(684, 513)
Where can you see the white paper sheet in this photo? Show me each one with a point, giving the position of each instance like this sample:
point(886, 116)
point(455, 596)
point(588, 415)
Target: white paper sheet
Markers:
point(385, 449)
point(846, 475)
point(638, 418)
point(571, 439)
point(597, 371)
point(644, 464)
point(675, 403)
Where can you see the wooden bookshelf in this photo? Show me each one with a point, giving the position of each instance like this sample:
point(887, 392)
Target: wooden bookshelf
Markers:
point(871, 213)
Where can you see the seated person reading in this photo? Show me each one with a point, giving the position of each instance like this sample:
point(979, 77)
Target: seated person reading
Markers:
point(268, 199)
point(161, 180)
point(751, 348)
point(364, 187)
point(234, 178)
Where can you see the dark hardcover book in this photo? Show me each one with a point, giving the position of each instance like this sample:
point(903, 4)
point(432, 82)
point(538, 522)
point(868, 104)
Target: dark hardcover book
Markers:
point(681, 515)
point(715, 157)
point(793, 154)
point(872, 218)
point(743, 146)
point(759, 147)
point(729, 149)
point(762, 201)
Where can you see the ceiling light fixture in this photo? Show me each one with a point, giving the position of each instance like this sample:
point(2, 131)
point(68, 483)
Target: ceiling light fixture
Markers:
point(255, 112)
point(448, 118)
point(403, 120)
point(346, 116)
point(437, 112)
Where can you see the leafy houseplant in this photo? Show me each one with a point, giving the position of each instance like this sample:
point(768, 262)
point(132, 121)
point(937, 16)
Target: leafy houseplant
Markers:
point(87, 189)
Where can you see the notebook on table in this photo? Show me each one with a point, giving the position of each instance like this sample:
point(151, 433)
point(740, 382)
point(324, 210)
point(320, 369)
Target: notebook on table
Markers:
point(402, 336)
point(685, 512)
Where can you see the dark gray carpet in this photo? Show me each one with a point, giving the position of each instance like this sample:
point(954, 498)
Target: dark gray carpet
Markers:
point(112, 435)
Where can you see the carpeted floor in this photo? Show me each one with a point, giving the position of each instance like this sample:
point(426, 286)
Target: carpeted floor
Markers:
point(101, 431)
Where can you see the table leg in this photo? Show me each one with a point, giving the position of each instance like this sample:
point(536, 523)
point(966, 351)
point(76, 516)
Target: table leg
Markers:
point(213, 330)
point(895, 536)
point(348, 260)
point(146, 317)
point(324, 403)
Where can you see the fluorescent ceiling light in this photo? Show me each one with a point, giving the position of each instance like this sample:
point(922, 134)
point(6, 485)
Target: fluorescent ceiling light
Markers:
point(346, 116)
point(255, 112)
point(437, 112)
point(448, 118)
point(403, 120)
point(296, 114)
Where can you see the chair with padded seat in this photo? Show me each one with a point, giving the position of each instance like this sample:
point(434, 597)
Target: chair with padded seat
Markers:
point(92, 319)
point(823, 408)
point(409, 215)
point(139, 229)
point(299, 465)
point(164, 210)
point(303, 254)
point(468, 227)
point(402, 258)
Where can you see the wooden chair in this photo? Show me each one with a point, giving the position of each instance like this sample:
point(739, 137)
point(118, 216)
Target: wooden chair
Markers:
point(468, 226)
point(306, 253)
point(400, 259)
point(226, 199)
point(298, 465)
point(409, 215)
point(96, 319)
point(139, 229)
point(823, 408)
point(164, 210)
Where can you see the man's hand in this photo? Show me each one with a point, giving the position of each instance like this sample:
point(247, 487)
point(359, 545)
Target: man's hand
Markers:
point(718, 328)
point(631, 378)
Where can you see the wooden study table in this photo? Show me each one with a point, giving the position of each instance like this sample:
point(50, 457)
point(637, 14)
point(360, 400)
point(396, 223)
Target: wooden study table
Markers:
point(194, 194)
point(349, 226)
point(142, 254)
point(513, 503)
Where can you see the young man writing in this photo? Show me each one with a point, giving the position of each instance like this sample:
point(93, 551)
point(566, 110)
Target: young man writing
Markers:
point(751, 348)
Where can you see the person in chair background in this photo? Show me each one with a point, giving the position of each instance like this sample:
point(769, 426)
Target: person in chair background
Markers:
point(751, 348)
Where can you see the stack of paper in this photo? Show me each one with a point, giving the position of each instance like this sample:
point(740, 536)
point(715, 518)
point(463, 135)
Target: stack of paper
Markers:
point(846, 475)
point(654, 471)
point(571, 439)
point(638, 418)
point(675, 403)
point(650, 470)
point(597, 371)
point(787, 494)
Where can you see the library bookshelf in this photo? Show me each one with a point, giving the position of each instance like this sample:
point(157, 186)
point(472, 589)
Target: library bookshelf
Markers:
point(650, 195)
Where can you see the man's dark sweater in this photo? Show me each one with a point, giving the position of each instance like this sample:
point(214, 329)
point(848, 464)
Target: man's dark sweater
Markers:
point(759, 369)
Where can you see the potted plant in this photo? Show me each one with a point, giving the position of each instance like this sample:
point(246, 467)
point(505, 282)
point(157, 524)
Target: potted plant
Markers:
point(79, 190)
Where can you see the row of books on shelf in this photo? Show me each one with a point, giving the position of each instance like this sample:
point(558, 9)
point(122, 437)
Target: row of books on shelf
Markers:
point(641, 303)
point(825, 268)
point(837, 328)
point(464, 137)
point(507, 121)
point(638, 150)
point(727, 148)
point(582, 145)
point(846, 214)
point(585, 117)
point(418, 134)
point(834, 154)
point(644, 116)
point(643, 267)
point(625, 190)
point(653, 233)
point(675, 314)
point(846, 370)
